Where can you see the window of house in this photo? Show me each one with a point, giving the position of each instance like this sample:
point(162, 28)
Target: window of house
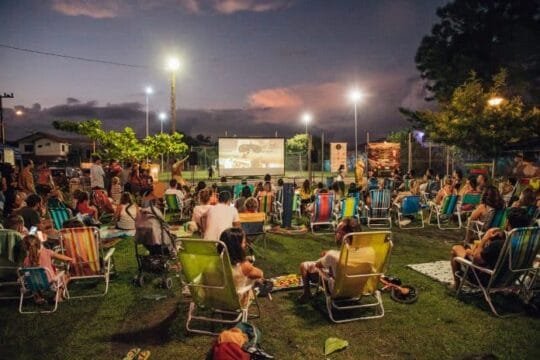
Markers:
point(48, 144)
point(63, 148)
point(29, 148)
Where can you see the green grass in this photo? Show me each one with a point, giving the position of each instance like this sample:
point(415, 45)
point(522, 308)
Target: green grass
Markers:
point(438, 326)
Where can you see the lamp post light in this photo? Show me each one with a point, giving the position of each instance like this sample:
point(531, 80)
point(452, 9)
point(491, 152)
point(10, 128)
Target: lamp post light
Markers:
point(495, 101)
point(162, 117)
point(306, 118)
point(173, 64)
point(147, 91)
point(355, 96)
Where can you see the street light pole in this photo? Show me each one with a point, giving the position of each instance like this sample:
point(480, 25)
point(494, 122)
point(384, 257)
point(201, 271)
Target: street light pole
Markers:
point(148, 91)
point(173, 64)
point(355, 133)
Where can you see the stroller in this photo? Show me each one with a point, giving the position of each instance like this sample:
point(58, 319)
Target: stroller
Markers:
point(153, 234)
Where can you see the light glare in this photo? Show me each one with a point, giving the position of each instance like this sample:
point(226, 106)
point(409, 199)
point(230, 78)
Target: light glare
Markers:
point(162, 116)
point(495, 101)
point(148, 90)
point(307, 117)
point(173, 64)
point(355, 95)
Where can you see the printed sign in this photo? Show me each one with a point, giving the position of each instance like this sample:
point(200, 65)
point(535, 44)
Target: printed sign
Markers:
point(338, 156)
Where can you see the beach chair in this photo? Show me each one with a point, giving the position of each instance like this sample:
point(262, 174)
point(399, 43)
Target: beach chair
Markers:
point(11, 257)
point(445, 212)
point(468, 203)
point(59, 216)
point(83, 245)
point(363, 259)
point(379, 210)
point(227, 188)
point(173, 208)
point(348, 208)
point(266, 200)
point(496, 218)
point(515, 260)
point(34, 281)
point(389, 184)
point(238, 190)
point(410, 207)
point(323, 211)
point(253, 225)
point(214, 298)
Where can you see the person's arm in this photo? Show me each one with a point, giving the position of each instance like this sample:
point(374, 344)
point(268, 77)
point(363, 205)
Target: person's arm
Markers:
point(476, 252)
point(117, 212)
point(236, 219)
point(61, 257)
point(251, 271)
point(478, 212)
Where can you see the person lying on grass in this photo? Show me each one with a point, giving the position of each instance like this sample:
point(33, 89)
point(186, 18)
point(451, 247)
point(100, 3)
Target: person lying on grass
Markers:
point(245, 275)
point(486, 252)
point(38, 256)
point(330, 258)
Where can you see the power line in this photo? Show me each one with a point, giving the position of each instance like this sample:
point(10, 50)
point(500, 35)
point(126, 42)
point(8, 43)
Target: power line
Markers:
point(72, 57)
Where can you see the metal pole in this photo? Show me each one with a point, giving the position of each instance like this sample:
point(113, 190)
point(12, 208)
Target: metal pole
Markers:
point(367, 156)
point(173, 102)
point(355, 135)
point(409, 160)
point(147, 114)
point(309, 159)
point(447, 160)
point(429, 149)
point(322, 157)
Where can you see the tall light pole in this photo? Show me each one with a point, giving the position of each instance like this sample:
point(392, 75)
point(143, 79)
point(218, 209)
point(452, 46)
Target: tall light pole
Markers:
point(147, 91)
point(173, 64)
point(306, 118)
point(162, 117)
point(355, 96)
point(494, 102)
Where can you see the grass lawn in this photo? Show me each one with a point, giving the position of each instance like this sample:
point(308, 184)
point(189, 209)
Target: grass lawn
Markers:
point(438, 326)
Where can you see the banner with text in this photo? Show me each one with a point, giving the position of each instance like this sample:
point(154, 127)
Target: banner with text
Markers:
point(338, 156)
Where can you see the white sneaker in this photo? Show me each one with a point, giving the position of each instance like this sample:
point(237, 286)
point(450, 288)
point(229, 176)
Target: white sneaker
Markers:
point(405, 222)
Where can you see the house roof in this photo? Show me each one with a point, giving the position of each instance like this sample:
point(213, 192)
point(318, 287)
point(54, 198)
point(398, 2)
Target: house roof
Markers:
point(41, 135)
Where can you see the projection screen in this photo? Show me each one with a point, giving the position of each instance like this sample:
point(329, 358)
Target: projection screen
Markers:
point(251, 156)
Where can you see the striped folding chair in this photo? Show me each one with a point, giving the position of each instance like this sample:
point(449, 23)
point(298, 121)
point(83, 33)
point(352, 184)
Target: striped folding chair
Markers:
point(83, 245)
point(11, 256)
point(173, 208)
point(444, 212)
point(514, 265)
point(410, 207)
point(34, 281)
point(389, 184)
point(323, 211)
point(497, 218)
point(59, 216)
point(379, 210)
point(265, 202)
point(348, 208)
point(469, 202)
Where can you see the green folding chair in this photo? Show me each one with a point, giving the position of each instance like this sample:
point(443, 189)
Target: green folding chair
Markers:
point(209, 275)
point(348, 208)
point(378, 213)
point(11, 257)
point(59, 216)
point(173, 208)
point(445, 212)
point(514, 265)
point(363, 259)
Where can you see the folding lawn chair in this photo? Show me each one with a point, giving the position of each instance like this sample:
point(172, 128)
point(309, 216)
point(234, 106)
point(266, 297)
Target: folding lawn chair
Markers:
point(59, 216)
point(514, 265)
point(209, 276)
point(410, 207)
point(389, 184)
point(83, 245)
point(468, 203)
point(173, 208)
point(445, 212)
point(363, 259)
point(253, 225)
point(323, 211)
point(237, 189)
point(348, 208)
point(11, 257)
point(496, 218)
point(379, 211)
point(266, 200)
point(34, 281)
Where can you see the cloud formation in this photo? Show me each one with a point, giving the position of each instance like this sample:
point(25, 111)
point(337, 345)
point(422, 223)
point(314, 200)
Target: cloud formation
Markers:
point(106, 9)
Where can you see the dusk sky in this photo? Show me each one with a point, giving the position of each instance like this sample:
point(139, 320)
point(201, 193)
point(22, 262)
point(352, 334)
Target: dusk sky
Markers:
point(250, 67)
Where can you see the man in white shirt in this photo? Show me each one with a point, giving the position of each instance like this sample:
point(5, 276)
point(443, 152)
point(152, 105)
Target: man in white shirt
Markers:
point(173, 190)
point(220, 217)
point(96, 173)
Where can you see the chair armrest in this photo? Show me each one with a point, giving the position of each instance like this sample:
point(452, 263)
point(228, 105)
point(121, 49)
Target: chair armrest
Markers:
point(471, 264)
point(109, 254)
point(58, 278)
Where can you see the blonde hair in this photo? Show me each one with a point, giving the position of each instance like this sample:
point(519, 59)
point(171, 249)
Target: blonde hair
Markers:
point(32, 245)
point(116, 180)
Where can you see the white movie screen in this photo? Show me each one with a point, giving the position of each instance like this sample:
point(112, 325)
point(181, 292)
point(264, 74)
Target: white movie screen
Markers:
point(251, 156)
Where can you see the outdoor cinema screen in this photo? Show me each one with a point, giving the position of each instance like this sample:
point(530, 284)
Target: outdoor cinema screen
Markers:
point(251, 156)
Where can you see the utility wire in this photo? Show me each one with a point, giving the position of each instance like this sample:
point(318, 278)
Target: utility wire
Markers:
point(72, 57)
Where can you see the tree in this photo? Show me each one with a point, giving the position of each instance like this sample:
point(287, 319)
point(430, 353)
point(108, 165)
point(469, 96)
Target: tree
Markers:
point(470, 123)
point(298, 143)
point(483, 36)
point(124, 145)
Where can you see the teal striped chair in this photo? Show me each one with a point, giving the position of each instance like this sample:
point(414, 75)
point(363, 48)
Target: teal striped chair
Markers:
point(59, 216)
point(469, 202)
point(513, 267)
point(379, 210)
point(444, 212)
point(34, 281)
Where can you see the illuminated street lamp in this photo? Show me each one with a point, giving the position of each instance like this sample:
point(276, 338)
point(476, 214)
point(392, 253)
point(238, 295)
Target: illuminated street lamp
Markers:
point(495, 101)
point(306, 118)
point(147, 91)
point(19, 113)
point(173, 65)
point(162, 117)
point(355, 96)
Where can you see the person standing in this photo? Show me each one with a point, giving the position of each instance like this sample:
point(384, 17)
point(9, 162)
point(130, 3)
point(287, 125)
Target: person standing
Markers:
point(96, 173)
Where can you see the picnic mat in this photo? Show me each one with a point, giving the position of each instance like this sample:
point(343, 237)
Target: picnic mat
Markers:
point(437, 270)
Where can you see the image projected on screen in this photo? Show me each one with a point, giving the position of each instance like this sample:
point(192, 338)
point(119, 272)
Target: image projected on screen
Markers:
point(251, 156)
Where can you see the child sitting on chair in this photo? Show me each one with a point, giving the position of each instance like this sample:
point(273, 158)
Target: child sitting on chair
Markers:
point(245, 275)
point(38, 256)
point(329, 259)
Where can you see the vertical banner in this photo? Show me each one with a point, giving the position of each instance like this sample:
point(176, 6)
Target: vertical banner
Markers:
point(9, 156)
point(338, 156)
point(383, 157)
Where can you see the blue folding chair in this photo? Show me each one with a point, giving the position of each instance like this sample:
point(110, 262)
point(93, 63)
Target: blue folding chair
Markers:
point(410, 207)
point(34, 281)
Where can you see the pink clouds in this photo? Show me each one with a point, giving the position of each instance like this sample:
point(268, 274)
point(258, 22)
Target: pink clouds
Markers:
point(275, 98)
point(106, 9)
